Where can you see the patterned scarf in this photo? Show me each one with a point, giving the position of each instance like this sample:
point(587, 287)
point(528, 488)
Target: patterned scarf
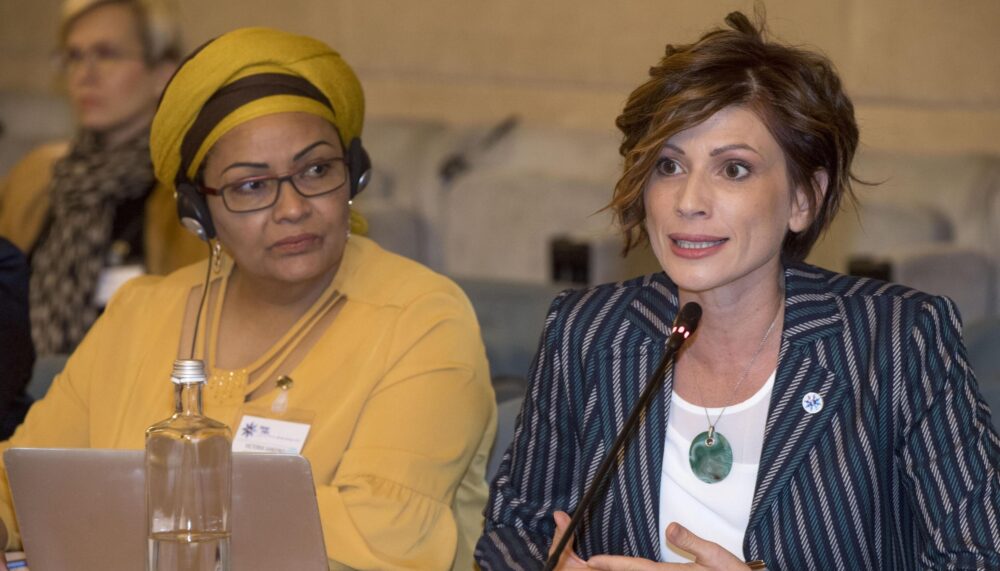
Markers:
point(88, 186)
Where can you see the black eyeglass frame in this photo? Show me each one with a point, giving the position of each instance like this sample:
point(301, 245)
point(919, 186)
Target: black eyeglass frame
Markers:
point(290, 178)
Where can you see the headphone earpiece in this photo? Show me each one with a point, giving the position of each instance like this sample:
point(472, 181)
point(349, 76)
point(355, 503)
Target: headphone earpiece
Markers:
point(192, 209)
point(360, 166)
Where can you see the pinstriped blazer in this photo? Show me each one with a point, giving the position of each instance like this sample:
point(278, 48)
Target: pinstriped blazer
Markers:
point(899, 470)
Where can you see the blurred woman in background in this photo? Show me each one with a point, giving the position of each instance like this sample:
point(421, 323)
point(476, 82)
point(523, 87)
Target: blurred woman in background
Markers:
point(85, 212)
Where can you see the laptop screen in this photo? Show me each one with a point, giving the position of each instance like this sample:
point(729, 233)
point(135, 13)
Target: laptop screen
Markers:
point(86, 509)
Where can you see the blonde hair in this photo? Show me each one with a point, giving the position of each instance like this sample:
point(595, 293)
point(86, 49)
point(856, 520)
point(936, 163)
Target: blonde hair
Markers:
point(156, 21)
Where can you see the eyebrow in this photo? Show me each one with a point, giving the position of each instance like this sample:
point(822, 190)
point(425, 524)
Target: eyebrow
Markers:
point(250, 165)
point(715, 152)
point(735, 146)
point(297, 156)
point(306, 150)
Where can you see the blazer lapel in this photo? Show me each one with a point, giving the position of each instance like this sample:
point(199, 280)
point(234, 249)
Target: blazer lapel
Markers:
point(637, 484)
point(793, 424)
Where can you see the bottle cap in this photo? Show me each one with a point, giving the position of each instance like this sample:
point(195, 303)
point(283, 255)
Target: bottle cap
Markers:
point(188, 371)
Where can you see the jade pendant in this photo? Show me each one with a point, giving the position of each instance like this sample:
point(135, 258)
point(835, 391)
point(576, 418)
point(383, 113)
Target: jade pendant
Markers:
point(710, 456)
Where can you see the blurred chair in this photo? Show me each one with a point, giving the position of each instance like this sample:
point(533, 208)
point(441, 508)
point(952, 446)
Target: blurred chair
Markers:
point(509, 388)
point(402, 202)
point(487, 201)
point(500, 225)
point(498, 218)
point(511, 316)
point(507, 413)
point(982, 341)
point(45, 371)
point(397, 228)
point(966, 275)
point(933, 219)
point(30, 119)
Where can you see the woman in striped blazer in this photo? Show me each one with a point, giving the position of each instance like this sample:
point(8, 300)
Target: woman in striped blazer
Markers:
point(813, 421)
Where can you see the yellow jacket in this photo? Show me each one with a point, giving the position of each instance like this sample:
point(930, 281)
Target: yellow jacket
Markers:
point(398, 383)
point(24, 206)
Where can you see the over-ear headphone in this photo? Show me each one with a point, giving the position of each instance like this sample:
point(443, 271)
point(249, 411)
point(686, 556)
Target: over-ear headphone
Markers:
point(359, 166)
point(192, 208)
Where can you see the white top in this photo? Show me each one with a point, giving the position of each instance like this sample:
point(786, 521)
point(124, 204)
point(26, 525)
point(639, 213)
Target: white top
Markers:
point(717, 512)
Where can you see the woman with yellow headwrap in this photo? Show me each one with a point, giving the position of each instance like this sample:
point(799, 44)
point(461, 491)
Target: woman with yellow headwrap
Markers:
point(380, 356)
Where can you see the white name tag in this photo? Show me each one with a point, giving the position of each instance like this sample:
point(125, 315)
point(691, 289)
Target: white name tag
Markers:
point(261, 434)
point(111, 279)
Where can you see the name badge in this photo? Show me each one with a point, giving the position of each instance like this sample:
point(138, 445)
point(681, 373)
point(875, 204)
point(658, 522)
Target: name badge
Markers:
point(112, 278)
point(262, 434)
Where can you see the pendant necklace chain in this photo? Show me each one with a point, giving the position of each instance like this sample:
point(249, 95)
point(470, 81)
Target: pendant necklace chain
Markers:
point(711, 456)
point(743, 377)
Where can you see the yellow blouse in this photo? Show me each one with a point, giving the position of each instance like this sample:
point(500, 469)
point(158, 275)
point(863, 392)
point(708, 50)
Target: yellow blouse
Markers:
point(398, 386)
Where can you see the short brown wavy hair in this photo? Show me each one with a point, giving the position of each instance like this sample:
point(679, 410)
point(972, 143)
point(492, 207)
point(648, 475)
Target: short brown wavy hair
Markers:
point(795, 92)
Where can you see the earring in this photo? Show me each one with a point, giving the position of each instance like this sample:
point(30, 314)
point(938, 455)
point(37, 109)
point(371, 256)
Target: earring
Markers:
point(216, 257)
point(350, 202)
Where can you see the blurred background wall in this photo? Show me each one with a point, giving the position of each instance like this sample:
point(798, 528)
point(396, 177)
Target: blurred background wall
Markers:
point(441, 76)
point(924, 74)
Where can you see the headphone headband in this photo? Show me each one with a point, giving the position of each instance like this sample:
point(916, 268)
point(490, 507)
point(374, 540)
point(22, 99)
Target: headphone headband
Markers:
point(235, 95)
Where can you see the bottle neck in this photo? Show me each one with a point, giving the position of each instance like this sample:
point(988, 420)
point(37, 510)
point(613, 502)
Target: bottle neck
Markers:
point(187, 398)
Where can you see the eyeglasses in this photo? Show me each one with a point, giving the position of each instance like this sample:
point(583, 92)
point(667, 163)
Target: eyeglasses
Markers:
point(252, 194)
point(102, 57)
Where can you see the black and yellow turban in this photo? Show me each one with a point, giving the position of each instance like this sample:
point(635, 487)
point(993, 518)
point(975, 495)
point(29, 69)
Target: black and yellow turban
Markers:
point(243, 75)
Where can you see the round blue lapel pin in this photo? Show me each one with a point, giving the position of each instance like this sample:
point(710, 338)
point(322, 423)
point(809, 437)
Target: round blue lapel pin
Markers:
point(812, 403)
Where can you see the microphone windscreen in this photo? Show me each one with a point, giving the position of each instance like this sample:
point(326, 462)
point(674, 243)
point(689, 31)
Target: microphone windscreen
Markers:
point(684, 324)
point(689, 316)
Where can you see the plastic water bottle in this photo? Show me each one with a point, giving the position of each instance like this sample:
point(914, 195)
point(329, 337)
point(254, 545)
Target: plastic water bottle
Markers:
point(188, 482)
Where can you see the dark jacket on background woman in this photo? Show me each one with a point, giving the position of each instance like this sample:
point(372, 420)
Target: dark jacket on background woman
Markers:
point(17, 354)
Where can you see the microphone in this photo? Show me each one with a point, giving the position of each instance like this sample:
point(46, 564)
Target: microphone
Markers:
point(684, 325)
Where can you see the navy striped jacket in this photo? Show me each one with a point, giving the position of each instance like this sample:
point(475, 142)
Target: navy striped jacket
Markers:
point(899, 470)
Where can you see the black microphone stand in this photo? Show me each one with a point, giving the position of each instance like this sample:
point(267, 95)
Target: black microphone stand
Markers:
point(684, 325)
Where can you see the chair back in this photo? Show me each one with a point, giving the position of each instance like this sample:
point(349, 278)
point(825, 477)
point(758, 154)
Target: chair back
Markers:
point(507, 413)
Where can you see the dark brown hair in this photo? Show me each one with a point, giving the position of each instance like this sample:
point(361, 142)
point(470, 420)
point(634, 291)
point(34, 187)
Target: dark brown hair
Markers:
point(795, 92)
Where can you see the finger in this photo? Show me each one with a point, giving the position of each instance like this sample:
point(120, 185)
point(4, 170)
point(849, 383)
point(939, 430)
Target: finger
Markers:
point(619, 563)
point(568, 556)
point(705, 552)
point(562, 522)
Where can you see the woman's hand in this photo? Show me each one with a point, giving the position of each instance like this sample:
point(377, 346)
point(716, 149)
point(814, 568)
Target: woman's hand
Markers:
point(708, 556)
point(569, 559)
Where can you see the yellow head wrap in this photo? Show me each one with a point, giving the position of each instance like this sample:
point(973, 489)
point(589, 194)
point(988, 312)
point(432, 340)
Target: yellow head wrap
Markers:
point(241, 55)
